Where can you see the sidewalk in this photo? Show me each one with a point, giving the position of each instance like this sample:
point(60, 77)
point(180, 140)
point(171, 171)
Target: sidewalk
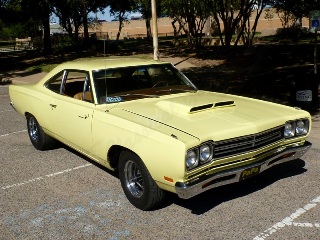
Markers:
point(32, 78)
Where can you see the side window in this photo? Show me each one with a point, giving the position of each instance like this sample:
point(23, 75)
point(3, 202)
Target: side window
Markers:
point(77, 85)
point(55, 83)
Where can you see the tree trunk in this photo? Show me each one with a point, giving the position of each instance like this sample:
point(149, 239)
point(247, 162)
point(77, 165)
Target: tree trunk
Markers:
point(85, 29)
point(121, 20)
point(46, 34)
point(148, 26)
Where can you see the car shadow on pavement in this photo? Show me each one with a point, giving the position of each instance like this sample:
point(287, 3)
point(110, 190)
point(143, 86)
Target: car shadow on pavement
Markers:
point(212, 198)
point(89, 160)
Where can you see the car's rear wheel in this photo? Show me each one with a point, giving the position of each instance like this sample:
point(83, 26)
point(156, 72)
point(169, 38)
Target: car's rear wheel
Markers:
point(39, 139)
point(139, 187)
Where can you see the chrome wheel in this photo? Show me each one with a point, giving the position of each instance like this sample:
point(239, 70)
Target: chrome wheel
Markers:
point(33, 129)
point(133, 179)
point(137, 183)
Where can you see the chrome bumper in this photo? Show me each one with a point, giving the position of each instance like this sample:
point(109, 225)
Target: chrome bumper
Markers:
point(207, 182)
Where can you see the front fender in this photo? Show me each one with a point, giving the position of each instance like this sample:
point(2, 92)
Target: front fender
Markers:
point(163, 155)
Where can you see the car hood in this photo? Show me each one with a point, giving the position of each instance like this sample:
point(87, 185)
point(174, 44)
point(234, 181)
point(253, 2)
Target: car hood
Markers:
point(208, 115)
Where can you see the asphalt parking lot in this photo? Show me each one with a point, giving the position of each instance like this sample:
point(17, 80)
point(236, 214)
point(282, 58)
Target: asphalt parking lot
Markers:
point(59, 194)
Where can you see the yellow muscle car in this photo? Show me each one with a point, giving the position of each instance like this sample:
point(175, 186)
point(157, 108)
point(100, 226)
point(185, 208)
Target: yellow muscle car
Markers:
point(146, 120)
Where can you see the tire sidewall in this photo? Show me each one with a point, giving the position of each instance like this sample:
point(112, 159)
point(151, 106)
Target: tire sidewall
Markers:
point(139, 202)
point(39, 143)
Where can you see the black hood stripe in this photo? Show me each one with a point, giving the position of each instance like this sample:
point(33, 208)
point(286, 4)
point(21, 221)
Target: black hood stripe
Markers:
point(161, 123)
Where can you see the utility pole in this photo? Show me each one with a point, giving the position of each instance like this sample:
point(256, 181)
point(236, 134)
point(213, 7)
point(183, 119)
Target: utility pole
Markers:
point(155, 31)
point(315, 53)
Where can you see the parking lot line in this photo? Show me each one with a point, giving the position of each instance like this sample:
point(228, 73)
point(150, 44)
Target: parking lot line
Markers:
point(288, 221)
point(34, 180)
point(309, 225)
point(6, 111)
point(8, 134)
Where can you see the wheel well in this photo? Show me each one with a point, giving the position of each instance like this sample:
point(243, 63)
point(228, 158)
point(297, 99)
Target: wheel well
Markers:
point(114, 153)
point(26, 114)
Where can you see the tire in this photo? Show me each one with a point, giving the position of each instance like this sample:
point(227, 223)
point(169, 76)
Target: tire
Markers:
point(39, 139)
point(137, 184)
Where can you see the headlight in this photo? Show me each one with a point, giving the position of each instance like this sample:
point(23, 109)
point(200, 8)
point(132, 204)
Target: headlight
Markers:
point(302, 127)
point(192, 159)
point(199, 155)
point(205, 153)
point(289, 129)
point(296, 128)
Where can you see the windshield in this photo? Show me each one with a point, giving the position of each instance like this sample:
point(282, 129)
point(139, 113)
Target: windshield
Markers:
point(131, 83)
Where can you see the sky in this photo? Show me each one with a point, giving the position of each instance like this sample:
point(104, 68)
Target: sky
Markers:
point(101, 16)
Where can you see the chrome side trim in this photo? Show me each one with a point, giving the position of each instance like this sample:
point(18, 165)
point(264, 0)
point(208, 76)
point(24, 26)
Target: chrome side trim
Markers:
point(205, 183)
point(12, 105)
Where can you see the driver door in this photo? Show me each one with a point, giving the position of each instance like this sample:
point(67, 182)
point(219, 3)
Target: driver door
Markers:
point(72, 110)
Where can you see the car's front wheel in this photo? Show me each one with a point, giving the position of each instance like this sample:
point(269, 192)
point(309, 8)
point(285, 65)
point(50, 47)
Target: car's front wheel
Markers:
point(39, 139)
point(139, 187)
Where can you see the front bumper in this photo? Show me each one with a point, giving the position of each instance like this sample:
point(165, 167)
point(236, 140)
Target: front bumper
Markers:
point(207, 182)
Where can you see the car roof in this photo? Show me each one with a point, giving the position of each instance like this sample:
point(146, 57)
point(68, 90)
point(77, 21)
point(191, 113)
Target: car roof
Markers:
point(92, 64)
point(103, 63)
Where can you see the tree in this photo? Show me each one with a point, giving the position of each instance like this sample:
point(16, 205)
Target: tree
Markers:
point(21, 18)
point(40, 11)
point(234, 15)
point(144, 7)
point(191, 15)
point(3, 3)
point(248, 32)
point(86, 7)
point(119, 10)
point(290, 12)
point(73, 14)
point(69, 17)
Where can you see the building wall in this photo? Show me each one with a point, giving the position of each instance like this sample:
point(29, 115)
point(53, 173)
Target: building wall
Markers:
point(137, 28)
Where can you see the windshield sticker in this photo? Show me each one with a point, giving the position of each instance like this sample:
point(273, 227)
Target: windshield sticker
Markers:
point(113, 99)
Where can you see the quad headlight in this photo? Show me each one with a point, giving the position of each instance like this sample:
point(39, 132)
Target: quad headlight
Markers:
point(296, 128)
point(192, 159)
point(199, 155)
point(206, 152)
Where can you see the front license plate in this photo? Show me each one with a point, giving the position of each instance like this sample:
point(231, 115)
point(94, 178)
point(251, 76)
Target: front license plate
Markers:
point(250, 172)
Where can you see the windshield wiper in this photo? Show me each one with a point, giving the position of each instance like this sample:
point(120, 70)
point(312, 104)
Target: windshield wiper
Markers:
point(138, 94)
point(177, 89)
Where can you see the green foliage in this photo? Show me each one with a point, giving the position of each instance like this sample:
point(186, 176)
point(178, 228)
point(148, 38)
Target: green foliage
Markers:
point(191, 17)
point(13, 31)
point(42, 68)
point(297, 8)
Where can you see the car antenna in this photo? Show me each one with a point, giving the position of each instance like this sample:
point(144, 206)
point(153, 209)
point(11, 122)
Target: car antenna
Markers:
point(105, 81)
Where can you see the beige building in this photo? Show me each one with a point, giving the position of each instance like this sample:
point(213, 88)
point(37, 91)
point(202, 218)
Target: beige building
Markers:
point(137, 28)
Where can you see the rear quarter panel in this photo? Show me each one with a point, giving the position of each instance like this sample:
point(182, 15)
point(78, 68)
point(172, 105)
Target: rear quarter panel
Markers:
point(31, 99)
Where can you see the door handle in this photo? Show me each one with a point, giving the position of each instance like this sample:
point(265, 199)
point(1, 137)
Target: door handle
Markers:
point(53, 105)
point(84, 117)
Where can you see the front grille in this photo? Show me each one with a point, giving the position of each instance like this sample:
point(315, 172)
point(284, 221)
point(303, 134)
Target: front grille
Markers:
point(247, 143)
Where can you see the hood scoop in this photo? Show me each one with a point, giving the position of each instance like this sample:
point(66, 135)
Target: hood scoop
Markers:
point(212, 105)
point(200, 108)
point(192, 105)
point(224, 104)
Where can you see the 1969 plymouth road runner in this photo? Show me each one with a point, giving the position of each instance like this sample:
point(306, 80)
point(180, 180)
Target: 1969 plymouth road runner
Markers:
point(147, 121)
